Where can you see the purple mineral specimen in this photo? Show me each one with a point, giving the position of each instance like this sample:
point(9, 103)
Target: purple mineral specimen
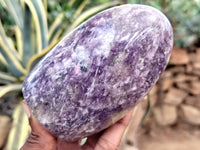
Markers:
point(99, 71)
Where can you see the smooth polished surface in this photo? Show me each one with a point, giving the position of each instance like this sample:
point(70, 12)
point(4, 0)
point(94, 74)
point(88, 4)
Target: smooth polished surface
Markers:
point(99, 71)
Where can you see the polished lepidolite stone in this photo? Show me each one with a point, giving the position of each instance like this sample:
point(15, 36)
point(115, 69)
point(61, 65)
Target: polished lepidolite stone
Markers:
point(99, 71)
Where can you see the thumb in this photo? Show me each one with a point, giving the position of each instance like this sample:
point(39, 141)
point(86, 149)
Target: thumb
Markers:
point(36, 127)
point(39, 138)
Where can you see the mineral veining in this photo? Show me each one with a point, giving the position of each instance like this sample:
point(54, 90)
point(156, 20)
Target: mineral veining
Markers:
point(99, 71)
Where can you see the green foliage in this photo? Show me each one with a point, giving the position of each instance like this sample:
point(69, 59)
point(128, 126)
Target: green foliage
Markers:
point(8, 21)
point(35, 31)
point(184, 16)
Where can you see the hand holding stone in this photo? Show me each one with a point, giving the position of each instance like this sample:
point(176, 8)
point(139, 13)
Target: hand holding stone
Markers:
point(40, 138)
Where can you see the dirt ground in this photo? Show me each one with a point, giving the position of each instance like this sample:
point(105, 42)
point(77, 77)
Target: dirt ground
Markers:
point(152, 136)
point(179, 138)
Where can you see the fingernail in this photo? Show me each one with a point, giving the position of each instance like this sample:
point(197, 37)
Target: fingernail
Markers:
point(26, 109)
point(82, 141)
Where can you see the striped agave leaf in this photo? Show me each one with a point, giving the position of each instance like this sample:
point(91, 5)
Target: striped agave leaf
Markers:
point(30, 18)
point(14, 64)
point(27, 51)
point(56, 29)
point(34, 60)
point(3, 61)
point(40, 20)
point(7, 78)
point(19, 131)
point(9, 88)
point(15, 11)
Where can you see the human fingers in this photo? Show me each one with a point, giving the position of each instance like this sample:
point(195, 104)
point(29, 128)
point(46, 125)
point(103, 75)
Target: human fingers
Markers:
point(111, 138)
point(39, 137)
point(64, 145)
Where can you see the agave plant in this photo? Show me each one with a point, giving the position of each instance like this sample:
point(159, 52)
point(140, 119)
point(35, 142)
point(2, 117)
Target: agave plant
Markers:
point(34, 37)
